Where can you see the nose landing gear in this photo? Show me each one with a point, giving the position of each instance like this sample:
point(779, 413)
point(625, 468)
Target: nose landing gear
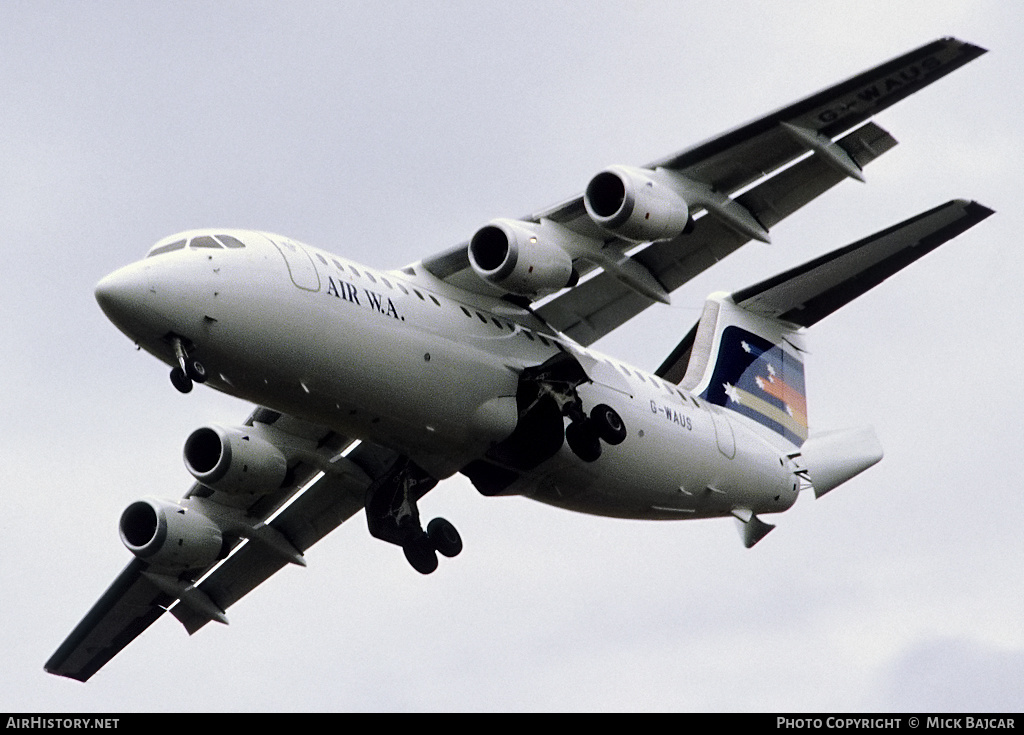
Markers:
point(189, 369)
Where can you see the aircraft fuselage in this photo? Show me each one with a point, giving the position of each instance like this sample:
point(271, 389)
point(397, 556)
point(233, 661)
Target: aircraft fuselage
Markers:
point(409, 362)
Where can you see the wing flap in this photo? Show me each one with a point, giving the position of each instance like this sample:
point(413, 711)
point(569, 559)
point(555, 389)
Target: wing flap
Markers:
point(788, 191)
point(734, 159)
point(264, 534)
point(731, 162)
point(323, 506)
point(601, 304)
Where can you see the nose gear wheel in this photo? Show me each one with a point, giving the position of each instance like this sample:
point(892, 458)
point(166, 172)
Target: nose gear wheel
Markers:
point(189, 370)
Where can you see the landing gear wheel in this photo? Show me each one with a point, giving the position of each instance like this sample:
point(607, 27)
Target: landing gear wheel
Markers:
point(583, 440)
point(444, 537)
point(195, 370)
point(181, 381)
point(421, 555)
point(608, 424)
point(189, 369)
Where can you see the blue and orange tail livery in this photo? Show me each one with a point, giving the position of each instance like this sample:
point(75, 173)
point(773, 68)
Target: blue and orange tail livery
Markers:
point(746, 353)
point(748, 363)
point(761, 381)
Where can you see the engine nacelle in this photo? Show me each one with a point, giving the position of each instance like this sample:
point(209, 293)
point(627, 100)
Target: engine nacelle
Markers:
point(514, 258)
point(170, 536)
point(234, 461)
point(630, 203)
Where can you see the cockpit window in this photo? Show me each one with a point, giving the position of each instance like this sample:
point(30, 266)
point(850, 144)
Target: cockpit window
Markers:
point(204, 241)
point(231, 242)
point(160, 250)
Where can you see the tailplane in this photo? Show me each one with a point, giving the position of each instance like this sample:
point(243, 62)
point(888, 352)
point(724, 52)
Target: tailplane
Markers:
point(746, 353)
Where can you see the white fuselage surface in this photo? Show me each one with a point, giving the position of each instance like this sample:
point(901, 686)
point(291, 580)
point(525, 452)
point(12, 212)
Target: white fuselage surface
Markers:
point(406, 361)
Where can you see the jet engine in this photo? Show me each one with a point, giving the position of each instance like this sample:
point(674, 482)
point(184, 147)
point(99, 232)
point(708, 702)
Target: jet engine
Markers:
point(514, 258)
point(169, 535)
point(233, 460)
point(632, 204)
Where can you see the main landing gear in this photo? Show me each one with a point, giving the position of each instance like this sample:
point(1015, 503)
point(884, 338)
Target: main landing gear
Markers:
point(545, 397)
point(585, 434)
point(393, 516)
point(189, 369)
point(547, 394)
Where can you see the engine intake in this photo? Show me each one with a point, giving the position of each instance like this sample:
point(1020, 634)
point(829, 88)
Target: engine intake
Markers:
point(234, 461)
point(169, 535)
point(632, 204)
point(514, 258)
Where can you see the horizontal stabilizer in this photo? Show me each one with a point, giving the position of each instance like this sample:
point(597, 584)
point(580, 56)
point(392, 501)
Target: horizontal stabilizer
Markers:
point(806, 294)
point(831, 458)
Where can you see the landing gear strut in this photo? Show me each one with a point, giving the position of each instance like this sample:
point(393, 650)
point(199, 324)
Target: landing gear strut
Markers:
point(393, 516)
point(189, 369)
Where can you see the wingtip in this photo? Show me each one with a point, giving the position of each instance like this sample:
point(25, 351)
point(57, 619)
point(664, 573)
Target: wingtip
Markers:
point(977, 210)
point(969, 48)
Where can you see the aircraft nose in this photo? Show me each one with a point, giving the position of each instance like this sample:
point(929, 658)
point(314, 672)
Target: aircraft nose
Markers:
point(122, 294)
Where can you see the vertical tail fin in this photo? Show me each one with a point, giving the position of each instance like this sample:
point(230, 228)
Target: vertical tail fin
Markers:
point(750, 364)
point(746, 352)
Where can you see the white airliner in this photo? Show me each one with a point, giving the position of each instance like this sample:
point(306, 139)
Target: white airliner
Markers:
point(372, 386)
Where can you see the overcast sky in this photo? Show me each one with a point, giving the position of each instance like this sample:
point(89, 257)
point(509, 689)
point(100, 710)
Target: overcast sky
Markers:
point(385, 131)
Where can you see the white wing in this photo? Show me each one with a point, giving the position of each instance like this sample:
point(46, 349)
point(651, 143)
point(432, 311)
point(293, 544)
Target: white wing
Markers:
point(267, 539)
point(741, 184)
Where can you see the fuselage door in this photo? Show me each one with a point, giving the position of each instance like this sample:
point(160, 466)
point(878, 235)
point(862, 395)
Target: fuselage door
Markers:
point(300, 264)
point(723, 432)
